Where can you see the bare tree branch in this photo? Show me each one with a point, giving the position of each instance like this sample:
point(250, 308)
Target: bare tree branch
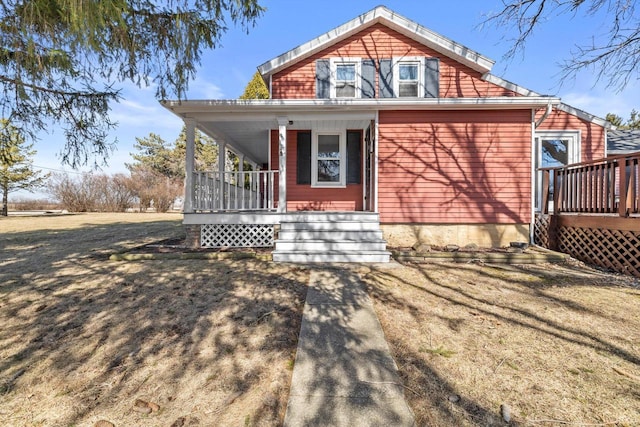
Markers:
point(612, 56)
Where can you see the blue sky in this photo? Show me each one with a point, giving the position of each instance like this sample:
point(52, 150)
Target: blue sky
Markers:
point(288, 23)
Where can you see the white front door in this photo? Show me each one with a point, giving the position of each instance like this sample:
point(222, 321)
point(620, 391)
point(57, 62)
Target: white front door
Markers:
point(554, 149)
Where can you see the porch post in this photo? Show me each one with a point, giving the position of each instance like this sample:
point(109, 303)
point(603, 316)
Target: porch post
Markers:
point(190, 125)
point(282, 164)
point(222, 161)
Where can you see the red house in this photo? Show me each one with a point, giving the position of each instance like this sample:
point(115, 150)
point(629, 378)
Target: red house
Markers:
point(379, 131)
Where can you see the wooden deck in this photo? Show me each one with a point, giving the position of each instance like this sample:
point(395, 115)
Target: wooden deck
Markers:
point(594, 215)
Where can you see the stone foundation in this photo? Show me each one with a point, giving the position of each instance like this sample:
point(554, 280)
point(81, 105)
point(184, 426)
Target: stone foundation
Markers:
point(483, 235)
point(192, 232)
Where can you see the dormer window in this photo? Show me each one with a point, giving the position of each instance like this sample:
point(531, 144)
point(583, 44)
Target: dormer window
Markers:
point(345, 78)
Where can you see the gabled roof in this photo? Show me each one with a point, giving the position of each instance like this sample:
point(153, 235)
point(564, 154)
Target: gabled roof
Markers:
point(623, 141)
point(383, 15)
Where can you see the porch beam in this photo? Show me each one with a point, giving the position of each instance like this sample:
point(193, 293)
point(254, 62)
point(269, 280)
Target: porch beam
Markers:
point(282, 163)
point(190, 126)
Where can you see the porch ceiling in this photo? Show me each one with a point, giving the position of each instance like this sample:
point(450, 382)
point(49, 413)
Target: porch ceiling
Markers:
point(250, 136)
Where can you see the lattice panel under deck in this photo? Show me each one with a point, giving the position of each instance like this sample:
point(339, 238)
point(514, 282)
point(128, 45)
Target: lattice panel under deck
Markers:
point(541, 231)
point(236, 235)
point(613, 249)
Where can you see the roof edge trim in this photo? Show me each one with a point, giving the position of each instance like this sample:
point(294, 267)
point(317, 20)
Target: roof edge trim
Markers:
point(584, 115)
point(395, 21)
point(499, 81)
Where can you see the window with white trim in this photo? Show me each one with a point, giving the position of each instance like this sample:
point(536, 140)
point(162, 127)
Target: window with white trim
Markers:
point(345, 77)
point(328, 163)
point(409, 82)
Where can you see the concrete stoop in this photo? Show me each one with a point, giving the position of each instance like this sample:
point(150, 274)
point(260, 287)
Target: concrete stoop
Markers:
point(330, 237)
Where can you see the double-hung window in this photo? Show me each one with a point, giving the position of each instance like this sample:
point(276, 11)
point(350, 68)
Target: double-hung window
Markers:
point(345, 78)
point(328, 167)
point(409, 82)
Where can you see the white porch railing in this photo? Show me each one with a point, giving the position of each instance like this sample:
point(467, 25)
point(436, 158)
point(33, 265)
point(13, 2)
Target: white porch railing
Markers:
point(234, 191)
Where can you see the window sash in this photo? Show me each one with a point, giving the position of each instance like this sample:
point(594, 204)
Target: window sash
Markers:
point(345, 77)
point(408, 78)
point(345, 80)
point(329, 165)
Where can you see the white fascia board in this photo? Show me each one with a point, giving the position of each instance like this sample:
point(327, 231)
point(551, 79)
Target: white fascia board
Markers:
point(192, 109)
point(397, 22)
point(436, 41)
point(584, 115)
point(488, 77)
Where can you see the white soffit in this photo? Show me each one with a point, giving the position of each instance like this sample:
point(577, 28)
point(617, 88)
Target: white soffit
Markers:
point(260, 109)
point(394, 21)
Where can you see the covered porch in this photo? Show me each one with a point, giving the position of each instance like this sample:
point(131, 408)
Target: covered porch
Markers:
point(245, 202)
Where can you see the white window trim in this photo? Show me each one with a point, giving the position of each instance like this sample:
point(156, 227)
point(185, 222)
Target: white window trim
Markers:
point(574, 153)
point(334, 62)
point(343, 157)
point(396, 74)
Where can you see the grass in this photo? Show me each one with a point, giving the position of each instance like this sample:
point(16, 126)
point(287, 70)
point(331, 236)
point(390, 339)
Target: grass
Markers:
point(83, 338)
point(556, 344)
point(212, 342)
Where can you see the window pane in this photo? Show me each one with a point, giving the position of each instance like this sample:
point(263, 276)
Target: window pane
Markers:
point(328, 146)
point(345, 90)
point(346, 72)
point(408, 72)
point(408, 89)
point(328, 170)
point(555, 152)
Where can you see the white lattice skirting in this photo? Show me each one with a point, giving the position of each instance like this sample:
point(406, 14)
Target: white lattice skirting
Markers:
point(237, 235)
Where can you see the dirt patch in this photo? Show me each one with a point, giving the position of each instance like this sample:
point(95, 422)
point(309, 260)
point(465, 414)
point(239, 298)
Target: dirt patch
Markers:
point(542, 344)
point(152, 343)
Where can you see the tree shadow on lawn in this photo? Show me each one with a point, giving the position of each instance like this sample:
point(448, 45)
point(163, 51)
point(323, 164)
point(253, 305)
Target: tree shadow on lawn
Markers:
point(84, 337)
point(344, 374)
point(472, 292)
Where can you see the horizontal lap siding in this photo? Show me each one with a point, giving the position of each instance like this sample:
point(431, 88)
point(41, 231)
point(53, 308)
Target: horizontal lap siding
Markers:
point(455, 167)
point(380, 42)
point(592, 135)
point(304, 197)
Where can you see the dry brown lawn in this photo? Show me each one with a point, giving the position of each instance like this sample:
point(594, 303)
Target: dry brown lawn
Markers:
point(201, 342)
point(150, 343)
point(558, 345)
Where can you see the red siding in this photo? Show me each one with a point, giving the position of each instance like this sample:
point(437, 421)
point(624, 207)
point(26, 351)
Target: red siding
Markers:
point(379, 42)
point(592, 135)
point(455, 166)
point(304, 197)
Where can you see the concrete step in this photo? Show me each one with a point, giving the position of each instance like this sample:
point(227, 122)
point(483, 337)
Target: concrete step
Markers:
point(330, 226)
point(331, 235)
point(331, 256)
point(331, 245)
point(323, 216)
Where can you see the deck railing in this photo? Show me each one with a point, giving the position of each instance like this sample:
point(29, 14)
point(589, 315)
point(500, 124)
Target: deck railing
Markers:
point(606, 186)
point(234, 191)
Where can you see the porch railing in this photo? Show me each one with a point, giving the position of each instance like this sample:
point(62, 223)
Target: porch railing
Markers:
point(234, 191)
point(606, 186)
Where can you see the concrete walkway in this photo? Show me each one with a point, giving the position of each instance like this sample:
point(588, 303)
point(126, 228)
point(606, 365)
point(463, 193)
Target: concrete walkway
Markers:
point(344, 374)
